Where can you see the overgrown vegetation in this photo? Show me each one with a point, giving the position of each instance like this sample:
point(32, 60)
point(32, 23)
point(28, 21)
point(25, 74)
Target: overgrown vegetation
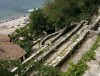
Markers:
point(37, 28)
point(42, 70)
point(6, 65)
point(79, 68)
point(39, 22)
point(63, 12)
point(55, 15)
point(38, 68)
point(23, 37)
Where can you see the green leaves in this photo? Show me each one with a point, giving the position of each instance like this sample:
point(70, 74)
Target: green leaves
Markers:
point(5, 72)
point(45, 70)
point(6, 65)
point(63, 12)
point(38, 22)
point(79, 68)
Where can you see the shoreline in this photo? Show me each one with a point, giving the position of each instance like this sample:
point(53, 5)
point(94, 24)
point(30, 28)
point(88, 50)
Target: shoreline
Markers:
point(9, 26)
point(13, 18)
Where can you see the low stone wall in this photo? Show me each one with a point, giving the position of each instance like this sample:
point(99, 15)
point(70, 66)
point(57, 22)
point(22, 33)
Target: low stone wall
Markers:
point(57, 45)
point(92, 33)
point(42, 43)
point(86, 34)
point(70, 50)
point(37, 41)
point(52, 49)
point(94, 26)
point(63, 31)
point(98, 31)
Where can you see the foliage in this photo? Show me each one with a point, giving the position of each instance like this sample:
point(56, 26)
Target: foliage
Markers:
point(25, 44)
point(79, 68)
point(55, 14)
point(41, 70)
point(27, 37)
point(5, 72)
point(45, 70)
point(35, 29)
point(38, 69)
point(38, 22)
point(6, 65)
point(63, 12)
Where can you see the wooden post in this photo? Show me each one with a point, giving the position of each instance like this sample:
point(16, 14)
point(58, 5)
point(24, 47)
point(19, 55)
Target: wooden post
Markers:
point(23, 58)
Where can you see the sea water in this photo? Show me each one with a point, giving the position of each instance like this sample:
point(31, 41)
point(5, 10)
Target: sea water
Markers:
point(14, 8)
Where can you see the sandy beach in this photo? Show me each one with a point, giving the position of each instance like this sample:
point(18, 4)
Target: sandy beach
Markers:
point(9, 26)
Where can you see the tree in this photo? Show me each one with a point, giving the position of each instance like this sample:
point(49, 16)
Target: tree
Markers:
point(54, 12)
point(5, 72)
point(38, 22)
point(63, 12)
point(6, 65)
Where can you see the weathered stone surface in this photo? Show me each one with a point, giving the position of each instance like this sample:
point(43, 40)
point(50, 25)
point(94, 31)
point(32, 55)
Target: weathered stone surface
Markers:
point(95, 23)
point(63, 40)
point(70, 49)
point(48, 37)
point(92, 33)
point(94, 65)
